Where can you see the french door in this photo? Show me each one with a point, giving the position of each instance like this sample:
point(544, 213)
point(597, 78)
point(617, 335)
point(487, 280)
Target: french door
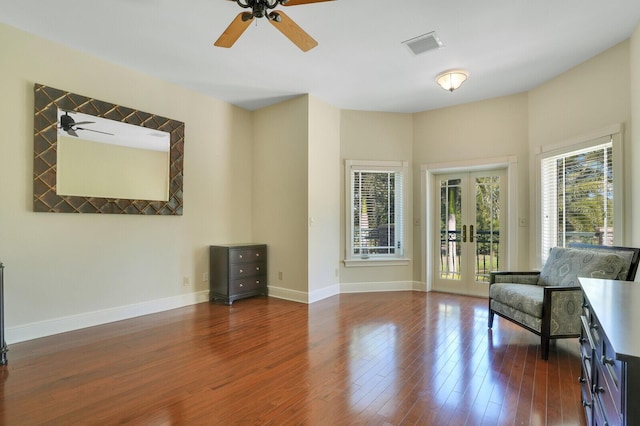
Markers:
point(470, 221)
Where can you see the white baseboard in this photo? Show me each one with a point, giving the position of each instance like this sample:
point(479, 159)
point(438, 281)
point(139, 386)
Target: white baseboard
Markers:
point(288, 294)
point(324, 293)
point(89, 319)
point(302, 296)
point(370, 287)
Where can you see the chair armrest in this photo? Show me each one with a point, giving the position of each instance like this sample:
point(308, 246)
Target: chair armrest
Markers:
point(563, 306)
point(527, 277)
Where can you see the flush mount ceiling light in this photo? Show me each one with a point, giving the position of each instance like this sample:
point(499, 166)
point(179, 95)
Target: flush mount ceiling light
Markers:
point(452, 79)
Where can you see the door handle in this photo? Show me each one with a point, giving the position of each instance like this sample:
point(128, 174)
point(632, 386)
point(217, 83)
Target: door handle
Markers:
point(471, 233)
point(464, 233)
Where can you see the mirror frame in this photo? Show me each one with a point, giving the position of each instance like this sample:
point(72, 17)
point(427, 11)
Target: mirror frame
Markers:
point(47, 100)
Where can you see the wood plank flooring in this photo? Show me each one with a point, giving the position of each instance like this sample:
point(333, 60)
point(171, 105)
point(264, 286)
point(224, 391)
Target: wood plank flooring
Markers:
point(397, 358)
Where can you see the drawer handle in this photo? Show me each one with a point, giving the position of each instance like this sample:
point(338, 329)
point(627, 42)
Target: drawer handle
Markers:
point(241, 270)
point(241, 285)
point(257, 254)
point(240, 256)
point(257, 281)
point(257, 268)
point(606, 360)
point(586, 404)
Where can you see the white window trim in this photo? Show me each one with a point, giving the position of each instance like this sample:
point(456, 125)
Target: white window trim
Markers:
point(573, 144)
point(379, 260)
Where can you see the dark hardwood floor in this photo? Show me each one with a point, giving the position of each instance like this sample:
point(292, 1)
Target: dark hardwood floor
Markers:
point(365, 359)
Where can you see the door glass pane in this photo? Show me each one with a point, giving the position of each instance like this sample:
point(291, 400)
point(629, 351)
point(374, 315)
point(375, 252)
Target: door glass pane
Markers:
point(487, 229)
point(450, 228)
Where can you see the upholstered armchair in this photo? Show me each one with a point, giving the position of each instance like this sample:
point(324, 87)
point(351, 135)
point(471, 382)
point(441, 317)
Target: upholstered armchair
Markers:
point(549, 303)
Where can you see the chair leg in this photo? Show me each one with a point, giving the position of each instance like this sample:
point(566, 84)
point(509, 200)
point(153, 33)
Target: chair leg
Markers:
point(491, 314)
point(544, 347)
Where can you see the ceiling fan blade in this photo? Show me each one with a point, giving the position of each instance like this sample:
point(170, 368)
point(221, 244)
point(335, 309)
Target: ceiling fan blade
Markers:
point(292, 31)
point(83, 122)
point(91, 130)
point(297, 2)
point(71, 132)
point(234, 30)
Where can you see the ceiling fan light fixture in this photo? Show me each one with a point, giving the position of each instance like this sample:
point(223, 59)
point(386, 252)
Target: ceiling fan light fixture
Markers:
point(452, 79)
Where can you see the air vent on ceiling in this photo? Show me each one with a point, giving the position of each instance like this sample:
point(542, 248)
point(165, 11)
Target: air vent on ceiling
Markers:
point(423, 43)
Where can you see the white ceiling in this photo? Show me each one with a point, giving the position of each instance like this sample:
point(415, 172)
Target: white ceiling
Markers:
point(508, 46)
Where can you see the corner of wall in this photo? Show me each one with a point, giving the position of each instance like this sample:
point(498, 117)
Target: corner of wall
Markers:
point(634, 63)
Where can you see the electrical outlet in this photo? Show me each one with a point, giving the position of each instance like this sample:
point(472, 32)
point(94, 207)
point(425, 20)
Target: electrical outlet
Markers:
point(280, 275)
point(205, 277)
point(185, 281)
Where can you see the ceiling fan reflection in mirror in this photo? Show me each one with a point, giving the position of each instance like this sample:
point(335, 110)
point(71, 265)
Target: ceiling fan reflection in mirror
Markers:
point(261, 9)
point(69, 125)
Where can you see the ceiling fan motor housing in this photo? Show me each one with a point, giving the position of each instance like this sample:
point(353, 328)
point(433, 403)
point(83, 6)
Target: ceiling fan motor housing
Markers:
point(261, 9)
point(66, 122)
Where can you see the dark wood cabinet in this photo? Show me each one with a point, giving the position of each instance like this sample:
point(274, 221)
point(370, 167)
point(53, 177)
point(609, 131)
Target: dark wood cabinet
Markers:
point(237, 271)
point(610, 352)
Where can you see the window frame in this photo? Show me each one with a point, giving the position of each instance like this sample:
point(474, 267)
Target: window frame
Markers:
point(401, 168)
point(614, 133)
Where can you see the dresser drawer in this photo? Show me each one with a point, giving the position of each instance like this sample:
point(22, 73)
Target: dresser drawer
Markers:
point(586, 349)
point(611, 371)
point(604, 400)
point(247, 285)
point(585, 392)
point(247, 255)
point(241, 270)
point(598, 416)
point(586, 309)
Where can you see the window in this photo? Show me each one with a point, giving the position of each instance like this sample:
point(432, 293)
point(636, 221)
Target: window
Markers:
point(578, 188)
point(376, 206)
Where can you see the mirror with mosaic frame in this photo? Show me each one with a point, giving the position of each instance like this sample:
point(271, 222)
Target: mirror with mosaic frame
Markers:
point(48, 104)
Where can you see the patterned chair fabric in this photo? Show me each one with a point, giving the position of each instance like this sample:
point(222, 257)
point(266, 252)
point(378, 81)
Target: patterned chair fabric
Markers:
point(549, 303)
point(565, 265)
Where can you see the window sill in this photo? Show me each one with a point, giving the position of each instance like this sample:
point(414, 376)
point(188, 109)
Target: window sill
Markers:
point(350, 263)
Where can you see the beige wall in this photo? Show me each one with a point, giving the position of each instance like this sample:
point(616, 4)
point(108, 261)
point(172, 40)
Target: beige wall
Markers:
point(280, 193)
point(465, 135)
point(296, 196)
point(634, 128)
point(77, 269)
point(376, 136)
point(324, 198)
point(589, 97)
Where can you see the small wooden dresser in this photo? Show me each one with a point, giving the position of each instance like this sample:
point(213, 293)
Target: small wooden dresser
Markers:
point(610, 352)
point(237, 271)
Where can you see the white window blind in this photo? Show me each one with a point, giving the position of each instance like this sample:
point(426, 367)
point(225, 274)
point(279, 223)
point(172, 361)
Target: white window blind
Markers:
point(376, 200)
point(578, 196)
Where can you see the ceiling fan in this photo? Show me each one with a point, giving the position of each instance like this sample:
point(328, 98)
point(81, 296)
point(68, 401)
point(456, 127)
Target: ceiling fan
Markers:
point(260, 9)
point(68, 124)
